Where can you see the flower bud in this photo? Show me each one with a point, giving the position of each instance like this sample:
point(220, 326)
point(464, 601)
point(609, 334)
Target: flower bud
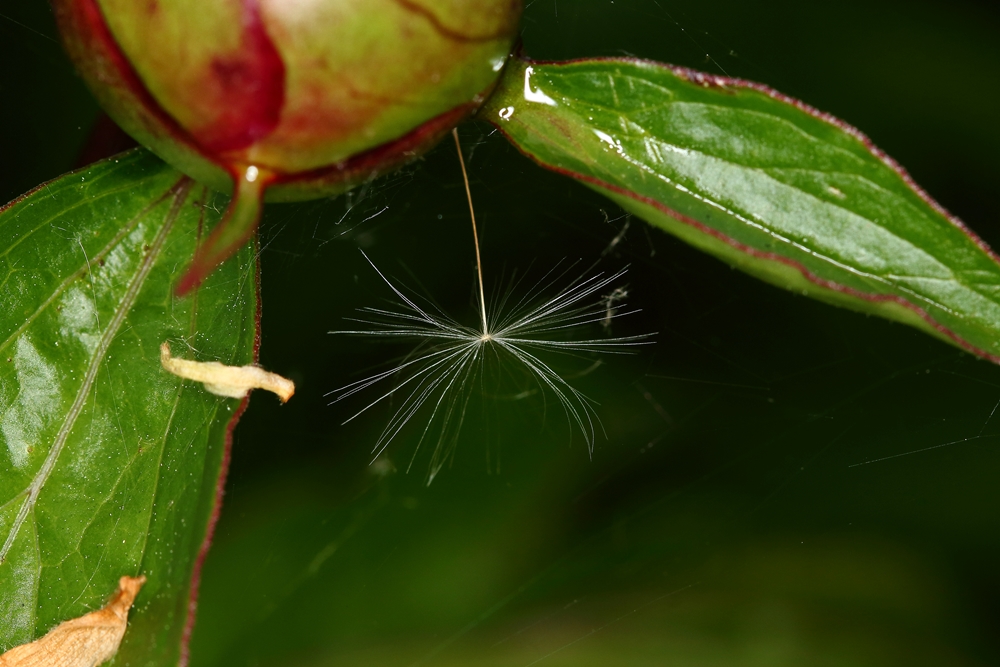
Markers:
point(295, 98)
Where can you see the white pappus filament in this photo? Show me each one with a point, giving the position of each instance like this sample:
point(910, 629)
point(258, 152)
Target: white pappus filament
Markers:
point(442, 371)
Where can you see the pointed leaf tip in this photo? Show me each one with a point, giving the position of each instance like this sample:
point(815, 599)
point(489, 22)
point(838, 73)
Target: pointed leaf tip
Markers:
point(237, 226)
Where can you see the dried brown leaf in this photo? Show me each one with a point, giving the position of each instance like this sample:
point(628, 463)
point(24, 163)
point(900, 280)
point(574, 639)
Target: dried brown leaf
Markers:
point(86, 641)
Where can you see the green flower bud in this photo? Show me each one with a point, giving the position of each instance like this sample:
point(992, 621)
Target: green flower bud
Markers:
point(295, 98)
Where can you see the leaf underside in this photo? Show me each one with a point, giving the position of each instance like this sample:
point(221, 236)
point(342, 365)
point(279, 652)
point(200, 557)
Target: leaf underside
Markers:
point(109, 466)
point(761, 181)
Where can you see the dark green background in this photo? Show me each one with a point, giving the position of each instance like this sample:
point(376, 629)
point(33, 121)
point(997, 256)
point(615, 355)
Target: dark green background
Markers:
point(723, 520)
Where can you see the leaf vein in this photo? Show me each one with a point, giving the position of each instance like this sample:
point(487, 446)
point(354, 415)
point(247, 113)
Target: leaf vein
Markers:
point(64, 285)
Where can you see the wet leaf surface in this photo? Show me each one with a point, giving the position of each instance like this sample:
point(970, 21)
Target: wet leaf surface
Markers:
point(763, 182)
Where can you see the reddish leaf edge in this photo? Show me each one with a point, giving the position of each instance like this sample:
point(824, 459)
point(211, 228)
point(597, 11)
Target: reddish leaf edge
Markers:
point(713, 80)
point(220, 487)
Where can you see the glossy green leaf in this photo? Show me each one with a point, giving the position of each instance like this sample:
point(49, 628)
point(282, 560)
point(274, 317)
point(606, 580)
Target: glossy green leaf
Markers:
point(763, 182)
point(108, 464)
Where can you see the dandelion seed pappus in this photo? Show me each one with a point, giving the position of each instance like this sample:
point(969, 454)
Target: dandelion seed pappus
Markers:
point(449, 360)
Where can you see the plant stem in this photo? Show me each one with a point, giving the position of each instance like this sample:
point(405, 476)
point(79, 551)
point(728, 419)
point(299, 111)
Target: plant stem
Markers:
point(475, 233)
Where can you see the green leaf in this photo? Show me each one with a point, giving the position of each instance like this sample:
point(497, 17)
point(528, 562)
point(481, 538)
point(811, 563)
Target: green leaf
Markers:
point(761, 181)
point(108, 464)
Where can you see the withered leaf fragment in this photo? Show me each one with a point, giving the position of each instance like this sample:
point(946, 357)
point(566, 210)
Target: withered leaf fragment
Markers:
point(229, 381)
point(86, 641)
